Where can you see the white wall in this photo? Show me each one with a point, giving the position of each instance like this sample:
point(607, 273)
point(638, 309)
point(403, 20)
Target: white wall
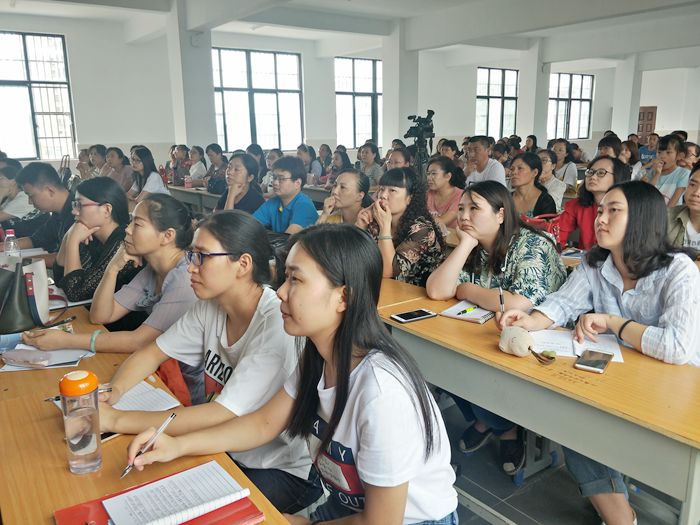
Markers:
point(120, 92)
point(674, 93)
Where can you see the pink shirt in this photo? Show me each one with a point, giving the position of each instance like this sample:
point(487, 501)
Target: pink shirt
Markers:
point(451, 205)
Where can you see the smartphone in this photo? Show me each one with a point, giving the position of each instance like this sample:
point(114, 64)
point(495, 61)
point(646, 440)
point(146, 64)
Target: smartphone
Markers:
point(593, 361)
point(414, 315)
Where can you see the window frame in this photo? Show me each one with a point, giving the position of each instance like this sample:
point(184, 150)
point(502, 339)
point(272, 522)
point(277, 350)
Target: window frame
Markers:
point(374, 100)
point(252, 91)
point(502, 96)
point(30, 84)
point(567, 104)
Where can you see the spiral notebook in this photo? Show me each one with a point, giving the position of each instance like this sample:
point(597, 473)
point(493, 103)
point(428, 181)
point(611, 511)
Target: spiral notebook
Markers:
point(466, 311)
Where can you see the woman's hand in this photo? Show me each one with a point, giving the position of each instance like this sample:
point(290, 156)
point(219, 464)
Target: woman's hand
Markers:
point(165, 449)
point(590, 325)
point(382, 214)
point(516, 318)
point(329, 205)
point(80, 233)
point(364, 217)
point(121, 258)
point(46, 339)
point(466, 239)
point(111, 398)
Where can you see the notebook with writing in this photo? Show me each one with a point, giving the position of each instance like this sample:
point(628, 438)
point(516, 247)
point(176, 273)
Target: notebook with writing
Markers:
point(203, 495)
point(466, 311)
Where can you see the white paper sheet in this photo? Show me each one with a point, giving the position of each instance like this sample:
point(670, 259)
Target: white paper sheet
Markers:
point(176, 499)
point(143, 396)
point(563, 343)
point(63, 358)
point(606, 343)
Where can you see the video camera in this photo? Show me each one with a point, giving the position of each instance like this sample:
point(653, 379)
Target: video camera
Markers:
point(422, 128)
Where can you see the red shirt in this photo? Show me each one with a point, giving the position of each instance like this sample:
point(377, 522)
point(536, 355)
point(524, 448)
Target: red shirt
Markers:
point(578, 217)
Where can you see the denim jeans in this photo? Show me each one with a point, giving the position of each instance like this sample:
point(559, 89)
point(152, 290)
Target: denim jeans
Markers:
point(332, 509)
point(593, 477)
point(286, 492)
point(470, 411)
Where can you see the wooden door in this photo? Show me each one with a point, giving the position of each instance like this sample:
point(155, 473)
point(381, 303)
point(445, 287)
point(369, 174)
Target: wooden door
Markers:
point(647, 122)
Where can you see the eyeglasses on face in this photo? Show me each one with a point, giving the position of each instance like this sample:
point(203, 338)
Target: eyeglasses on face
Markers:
point(280, 179)
point(77, 205)
point(600, 173)
point(197, 258)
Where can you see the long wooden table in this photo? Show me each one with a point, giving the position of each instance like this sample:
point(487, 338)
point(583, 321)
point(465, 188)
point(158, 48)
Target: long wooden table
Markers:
point(34, 478)
point(641, 417)
point(199, 199)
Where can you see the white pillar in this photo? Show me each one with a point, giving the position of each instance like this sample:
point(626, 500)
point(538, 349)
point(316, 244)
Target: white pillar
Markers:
point(400, 79)
point(191, 84)
point(628, 88)
point(533, 94)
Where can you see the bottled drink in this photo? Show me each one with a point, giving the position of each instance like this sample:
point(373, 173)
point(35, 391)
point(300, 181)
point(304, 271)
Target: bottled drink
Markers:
point(11, 245)
point(81, 419)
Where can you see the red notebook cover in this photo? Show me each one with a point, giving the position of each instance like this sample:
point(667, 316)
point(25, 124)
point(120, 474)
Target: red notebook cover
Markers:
point(241, 512)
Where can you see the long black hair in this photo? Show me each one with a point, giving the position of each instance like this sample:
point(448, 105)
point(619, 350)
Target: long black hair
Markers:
point(620, 174)
point(348, 257)
point(534, 147)
point(149, 166)
point(105, 190)
point(119, 153)
point(533, 161)
point(418, 207)
point(256, 151)
point(645, 247)
point(202, 156)
point(167, 212)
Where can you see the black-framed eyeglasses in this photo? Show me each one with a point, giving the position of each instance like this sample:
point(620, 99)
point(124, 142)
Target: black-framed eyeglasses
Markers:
point(197, 258)
point(280, 179)
point(600, 173)
point(77, 205)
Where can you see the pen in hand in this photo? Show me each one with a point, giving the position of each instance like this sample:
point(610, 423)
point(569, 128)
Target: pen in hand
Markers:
point(148, 443)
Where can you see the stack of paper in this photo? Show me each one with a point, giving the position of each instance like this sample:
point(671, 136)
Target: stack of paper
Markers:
point(48, 359)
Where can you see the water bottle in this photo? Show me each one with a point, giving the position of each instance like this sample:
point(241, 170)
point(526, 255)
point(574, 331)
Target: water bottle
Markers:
point(81, 419)
point(10, 244)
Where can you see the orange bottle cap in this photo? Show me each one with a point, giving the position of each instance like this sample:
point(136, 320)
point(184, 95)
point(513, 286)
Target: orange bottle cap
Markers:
point(78, 383)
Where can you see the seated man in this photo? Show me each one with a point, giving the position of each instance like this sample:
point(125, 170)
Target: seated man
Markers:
point(480, 166)
point(290, 210)
point(43, 187)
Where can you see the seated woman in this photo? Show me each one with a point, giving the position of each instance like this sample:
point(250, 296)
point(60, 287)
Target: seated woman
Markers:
point(355, 394)
point(215, 179)
point(580, 213)
point(370, 162)
point(120, 168)
point(14, 203)
point(160, 231)
point(446, 181)
point(83, 166)
point(340, 163)
point(684, 220)
point(235, 330)
point(307, 154)
point(564, 170)
point(180, 167)
point(496, 250)
point(98, 161)
point(629, 155)
point(101, 216)
point(555, 187)
point(198, 165)
point(410, 242)
point(256, 151)
point(530, 197)
point(349, 196)
point(638, 287)
point(240, 193)
point(325, 156)
point(147, 180)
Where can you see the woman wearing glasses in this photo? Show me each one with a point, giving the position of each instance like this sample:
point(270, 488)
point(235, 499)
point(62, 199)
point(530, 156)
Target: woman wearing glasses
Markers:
point(156, 238)
point(580, 213)
point(101, 215)
point(236, 332)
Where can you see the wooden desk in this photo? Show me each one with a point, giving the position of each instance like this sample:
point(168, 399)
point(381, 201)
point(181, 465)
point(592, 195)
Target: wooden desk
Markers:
point(35, 480)
point(318, 194)
point(44, 383)
point(641, 417)
point(199, 200)
point(395, 292)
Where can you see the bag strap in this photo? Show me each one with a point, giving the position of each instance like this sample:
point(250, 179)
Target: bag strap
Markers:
point(34, 310)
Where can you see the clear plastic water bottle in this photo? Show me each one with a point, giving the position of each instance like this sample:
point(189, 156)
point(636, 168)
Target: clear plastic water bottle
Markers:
point(11, 245)
point(81, 419)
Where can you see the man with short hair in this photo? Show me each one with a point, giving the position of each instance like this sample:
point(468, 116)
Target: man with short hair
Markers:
point(634, 138)
point(480, 166)
point(290, 210)
point(43, 187)
point(647, 153)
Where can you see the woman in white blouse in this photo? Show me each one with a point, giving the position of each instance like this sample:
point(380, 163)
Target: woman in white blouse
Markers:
point(147, 180)
point(198, 168)
point(640, 288)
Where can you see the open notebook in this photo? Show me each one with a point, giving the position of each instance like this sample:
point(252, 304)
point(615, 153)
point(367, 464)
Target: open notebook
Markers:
point(205, 494)
point(466, 311)
point(563, 343)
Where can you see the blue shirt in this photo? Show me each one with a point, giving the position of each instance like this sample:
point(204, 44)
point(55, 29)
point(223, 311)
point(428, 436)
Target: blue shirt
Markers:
point(275, 216)
point(646, 154)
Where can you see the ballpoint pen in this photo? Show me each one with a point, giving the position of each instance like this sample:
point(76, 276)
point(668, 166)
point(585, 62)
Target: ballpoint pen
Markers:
point(100, 391)
point(501, 305)
point(148, 443)
point(466, 310)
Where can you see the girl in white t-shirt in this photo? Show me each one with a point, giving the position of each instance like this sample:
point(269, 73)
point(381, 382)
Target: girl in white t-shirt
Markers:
point(235, 332)
point(374, 431)
point(668, 177)
point(147, 180)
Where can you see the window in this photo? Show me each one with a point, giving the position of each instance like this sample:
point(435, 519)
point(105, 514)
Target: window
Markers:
point(358, 101)
point(496, 101)
point(570, 102)
point(35, 101)
point(257, 97)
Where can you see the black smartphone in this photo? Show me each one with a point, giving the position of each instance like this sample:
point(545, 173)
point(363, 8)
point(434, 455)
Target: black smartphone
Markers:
point(593, 361)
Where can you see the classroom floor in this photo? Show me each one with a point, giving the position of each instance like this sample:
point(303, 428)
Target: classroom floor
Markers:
point(550, 497)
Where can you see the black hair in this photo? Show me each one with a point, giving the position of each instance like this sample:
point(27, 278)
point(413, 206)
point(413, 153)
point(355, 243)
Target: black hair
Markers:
point(645, 247)
point(633, 149)
point(347, 163)
point(120, 154)
point(294, 165)
point(482, 139)
point(135, 146)
point(552, 157)
point(620, 174)
point(533, 162)
point(342, 148)
point(672, 141)
point(399, 142)
point(348, 257)
point(12, 162)
point(100, 149)
point(38, 174)
point(534, 148)
point(330, 152)
point(105, 190)
point(202, 156)
point(514, 142)
point(249, 163)
point(611, 141)
point(373, 148)
point(256, 151)
point(632, 135)
point(167, 212)
point(277, 152)
point(238, 233)
point(9, 172)
point(418, 207)
point(498, 196)
point(457, 177)
point(149, 166)
point(215, 148)
point(609, 132)
point(182, 147)
point(681, 133)
point(363, 185)
point(500, 148)
point(403, 152)
point(452, 144)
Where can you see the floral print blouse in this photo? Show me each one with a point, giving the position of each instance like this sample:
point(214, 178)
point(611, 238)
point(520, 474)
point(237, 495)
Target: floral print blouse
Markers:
point(532, 268)
point(417, 255)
